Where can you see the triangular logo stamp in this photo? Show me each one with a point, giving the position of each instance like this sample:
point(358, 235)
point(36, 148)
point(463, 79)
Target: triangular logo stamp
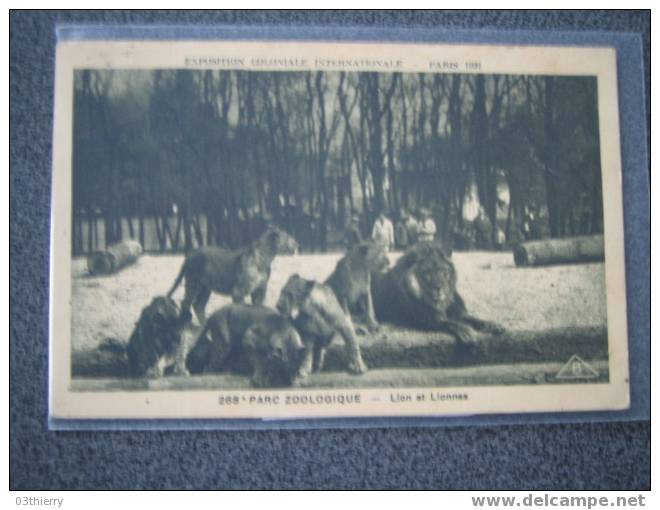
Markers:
point(576, 368)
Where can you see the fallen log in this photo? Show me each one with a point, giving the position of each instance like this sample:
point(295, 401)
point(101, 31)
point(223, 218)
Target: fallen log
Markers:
point(403, 350)
point(510, 374)
point(114, 257)
point(560, 251)
point(399, 350)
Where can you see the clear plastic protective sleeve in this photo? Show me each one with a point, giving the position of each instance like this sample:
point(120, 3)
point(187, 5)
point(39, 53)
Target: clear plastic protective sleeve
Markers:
point(319, 130)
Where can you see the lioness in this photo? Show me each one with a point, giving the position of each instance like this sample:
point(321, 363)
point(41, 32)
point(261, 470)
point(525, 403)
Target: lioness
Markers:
point(318, 316)
point(265, 339)
point(156, 339)
point(351, 279)
point(420, 292)
point(238, 273)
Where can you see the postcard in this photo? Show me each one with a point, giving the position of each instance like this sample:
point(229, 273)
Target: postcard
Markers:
point(279, 229)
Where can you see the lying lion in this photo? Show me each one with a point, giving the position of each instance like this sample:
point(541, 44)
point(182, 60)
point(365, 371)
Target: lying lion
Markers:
point(266, 340)
point(419, 291)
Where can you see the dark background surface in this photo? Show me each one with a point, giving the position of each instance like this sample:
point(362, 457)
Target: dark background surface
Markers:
point(553, 456)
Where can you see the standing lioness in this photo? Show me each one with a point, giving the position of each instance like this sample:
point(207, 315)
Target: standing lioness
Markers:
point(238, 273)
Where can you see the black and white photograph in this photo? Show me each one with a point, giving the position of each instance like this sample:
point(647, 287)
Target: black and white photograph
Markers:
point(284, 230)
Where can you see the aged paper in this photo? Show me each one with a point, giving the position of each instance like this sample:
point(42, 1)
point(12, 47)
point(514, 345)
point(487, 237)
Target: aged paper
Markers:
point(450, 159)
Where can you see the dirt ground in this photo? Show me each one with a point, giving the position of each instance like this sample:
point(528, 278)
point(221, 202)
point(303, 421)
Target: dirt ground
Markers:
point(521, 299)
point(524, 373)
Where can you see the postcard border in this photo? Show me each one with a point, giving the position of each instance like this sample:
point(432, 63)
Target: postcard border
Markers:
point(56, 421)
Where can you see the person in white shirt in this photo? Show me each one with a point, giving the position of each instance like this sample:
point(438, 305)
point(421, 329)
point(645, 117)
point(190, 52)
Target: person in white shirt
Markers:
point(426, 227)
point(383, 232)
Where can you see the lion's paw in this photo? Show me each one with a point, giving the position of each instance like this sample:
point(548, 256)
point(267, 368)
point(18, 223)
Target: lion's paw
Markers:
point(374, 328)
point(495, 328)
point(180, 371)
point(357, 367)
point(465, 335)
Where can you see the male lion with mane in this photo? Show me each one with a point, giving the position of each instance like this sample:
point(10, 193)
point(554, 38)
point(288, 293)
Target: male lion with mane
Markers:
point(419, 291)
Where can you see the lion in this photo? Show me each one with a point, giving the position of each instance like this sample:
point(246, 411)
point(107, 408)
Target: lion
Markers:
point(157, 338)
point(419, 291)
point(263, 338)
point(318, 316)
point(351, 279)
point(238, 273)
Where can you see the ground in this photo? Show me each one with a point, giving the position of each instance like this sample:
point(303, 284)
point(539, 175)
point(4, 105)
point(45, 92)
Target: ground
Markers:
point(521, 299)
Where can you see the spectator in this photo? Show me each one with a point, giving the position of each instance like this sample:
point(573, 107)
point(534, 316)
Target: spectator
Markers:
point(535, 223)
point(484, 230)
point(401, 238)
point(352, 236)
point(528, 219)
point(412, 226)
point(463, 237)
point(426, 228)
point(500, 239)
point(383, 231)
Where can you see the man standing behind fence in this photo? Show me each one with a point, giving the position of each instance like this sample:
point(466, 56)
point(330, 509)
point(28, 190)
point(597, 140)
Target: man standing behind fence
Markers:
point(426, 228)
point(383, 231)
point(401, 238)
point(352, 234)
point(484, 230)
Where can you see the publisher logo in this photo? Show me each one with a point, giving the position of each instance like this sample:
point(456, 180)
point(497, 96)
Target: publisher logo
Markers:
point(577, 368)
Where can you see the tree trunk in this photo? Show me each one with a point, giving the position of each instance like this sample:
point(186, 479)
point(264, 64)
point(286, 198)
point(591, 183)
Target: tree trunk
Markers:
point(131, 229)
point(550, 158)
point(141, 228)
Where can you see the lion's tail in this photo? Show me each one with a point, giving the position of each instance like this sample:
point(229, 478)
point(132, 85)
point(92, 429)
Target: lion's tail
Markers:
point(179, 278)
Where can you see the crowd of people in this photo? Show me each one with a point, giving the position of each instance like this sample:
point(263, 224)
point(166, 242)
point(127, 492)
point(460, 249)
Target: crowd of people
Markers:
point(409, 229)
point(412, 227)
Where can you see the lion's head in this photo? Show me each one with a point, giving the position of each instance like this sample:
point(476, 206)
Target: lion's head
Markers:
point(278, 341)
point(280, 241)
point(373, 255)
point(293, 295)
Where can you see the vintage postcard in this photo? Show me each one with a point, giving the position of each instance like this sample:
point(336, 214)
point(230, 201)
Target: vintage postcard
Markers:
point(273, 230)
